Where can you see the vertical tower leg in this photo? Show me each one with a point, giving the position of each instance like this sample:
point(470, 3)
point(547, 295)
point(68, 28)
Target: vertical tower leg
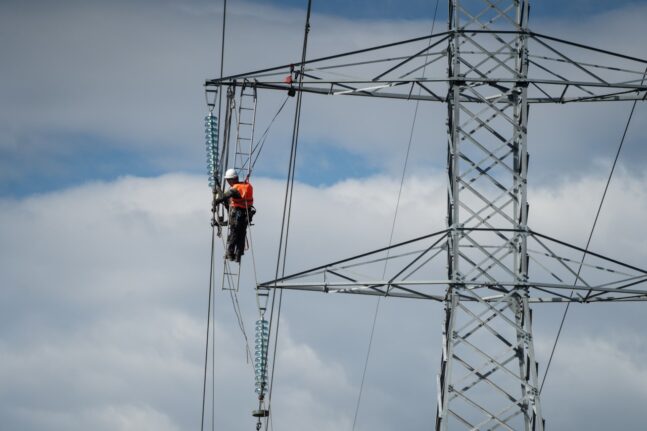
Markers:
point(488, 373)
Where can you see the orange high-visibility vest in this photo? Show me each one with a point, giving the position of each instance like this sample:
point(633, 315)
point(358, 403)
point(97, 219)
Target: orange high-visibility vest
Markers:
point(246, 198)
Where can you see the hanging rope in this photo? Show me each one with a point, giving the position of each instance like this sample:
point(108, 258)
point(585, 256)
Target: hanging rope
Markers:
point(261, 142)
point(241, 322)
point(395, 217)
point(588, 242)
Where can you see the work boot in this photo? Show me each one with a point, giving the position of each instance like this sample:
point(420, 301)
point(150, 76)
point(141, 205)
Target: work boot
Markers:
point(230, 256)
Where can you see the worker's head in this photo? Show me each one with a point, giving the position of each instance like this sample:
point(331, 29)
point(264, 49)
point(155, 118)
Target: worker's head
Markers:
point(231, 176)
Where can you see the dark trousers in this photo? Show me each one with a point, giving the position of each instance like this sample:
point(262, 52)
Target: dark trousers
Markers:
point(237, 231)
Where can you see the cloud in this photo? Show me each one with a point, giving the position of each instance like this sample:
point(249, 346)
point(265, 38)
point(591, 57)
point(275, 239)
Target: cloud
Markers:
point(105, 287)
point(104, 307)
point(104, 284)
point(606, 373)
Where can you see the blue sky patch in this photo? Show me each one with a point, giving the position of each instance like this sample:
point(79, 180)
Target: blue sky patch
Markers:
point(417, 9)
point(323, 165)
point(40, 163)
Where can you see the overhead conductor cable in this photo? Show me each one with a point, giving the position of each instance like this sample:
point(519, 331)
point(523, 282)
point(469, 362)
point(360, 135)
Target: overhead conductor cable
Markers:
point(395, 217)
point(285, 223)
point(588, 242)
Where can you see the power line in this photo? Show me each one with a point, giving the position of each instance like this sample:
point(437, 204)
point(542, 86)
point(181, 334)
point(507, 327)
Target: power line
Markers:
point(588, 242)
point(206, 352)
point(395, 217)
point(287, 209)
point(212, 299)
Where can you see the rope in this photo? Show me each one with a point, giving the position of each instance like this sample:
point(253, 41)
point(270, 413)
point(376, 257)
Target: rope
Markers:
point(258, 301)
point(263, 138)
point(233, 294)
point(241, 323)
point(287, 210)
point(368, 354)
point(206, 351)
point(395, 217)
point(588, 242)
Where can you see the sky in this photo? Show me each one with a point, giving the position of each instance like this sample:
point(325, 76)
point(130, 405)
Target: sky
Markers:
point(105, 236)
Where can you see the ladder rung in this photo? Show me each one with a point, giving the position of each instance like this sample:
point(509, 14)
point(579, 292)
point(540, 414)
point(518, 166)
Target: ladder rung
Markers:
point(246, 124)
point(244, 139)
point(246, 109)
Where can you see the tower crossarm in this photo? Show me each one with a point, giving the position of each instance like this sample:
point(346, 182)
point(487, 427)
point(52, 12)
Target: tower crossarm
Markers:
point(560, 71)
point(419, 262)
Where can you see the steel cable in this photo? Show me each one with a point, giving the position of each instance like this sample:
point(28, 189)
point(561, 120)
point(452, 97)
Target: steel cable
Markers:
point(211, 298)
point(395, 216)
point(206, 352)
point(588, 242)
point(287, 211)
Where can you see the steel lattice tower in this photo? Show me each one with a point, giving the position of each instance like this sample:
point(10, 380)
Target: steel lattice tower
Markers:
point(487, 167)
point(496, 266)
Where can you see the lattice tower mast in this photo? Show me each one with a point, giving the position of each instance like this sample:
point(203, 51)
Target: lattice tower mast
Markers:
point(487, 172)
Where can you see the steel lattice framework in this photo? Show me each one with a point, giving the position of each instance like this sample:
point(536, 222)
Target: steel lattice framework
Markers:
point(487, 165)
point(487, 68)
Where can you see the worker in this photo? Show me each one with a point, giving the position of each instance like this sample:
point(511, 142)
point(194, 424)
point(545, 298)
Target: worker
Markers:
point(239, 199)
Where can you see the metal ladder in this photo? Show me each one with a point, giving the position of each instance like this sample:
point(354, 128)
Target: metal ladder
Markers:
point(231, 276)
point(245, 125)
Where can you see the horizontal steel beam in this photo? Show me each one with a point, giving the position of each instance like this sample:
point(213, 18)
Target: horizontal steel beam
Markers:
point(360, 286)
point(629, 93)
point(440, 298)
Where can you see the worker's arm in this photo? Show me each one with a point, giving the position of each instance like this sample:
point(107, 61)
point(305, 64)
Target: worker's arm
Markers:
point(224, 197)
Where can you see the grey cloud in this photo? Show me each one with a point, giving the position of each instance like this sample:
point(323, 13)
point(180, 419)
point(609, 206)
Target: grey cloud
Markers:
point(106, 288)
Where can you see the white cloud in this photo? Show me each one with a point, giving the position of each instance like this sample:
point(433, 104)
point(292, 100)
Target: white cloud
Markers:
point(105, 290)
point(568, 212)
point(113, 417)
point(591, 374)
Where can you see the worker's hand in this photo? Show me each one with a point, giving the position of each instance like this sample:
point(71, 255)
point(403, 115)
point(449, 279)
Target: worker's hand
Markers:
point(219, 197)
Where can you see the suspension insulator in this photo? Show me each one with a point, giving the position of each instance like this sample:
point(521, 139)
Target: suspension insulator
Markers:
point(261, 343)
point(211, 141)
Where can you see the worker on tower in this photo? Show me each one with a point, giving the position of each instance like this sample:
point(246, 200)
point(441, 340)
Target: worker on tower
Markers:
point(239, 199)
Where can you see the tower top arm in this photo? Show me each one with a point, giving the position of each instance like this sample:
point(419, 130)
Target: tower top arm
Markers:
point(559, 71)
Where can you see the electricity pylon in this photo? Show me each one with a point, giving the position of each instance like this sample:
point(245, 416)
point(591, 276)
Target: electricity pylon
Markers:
point(487, 167)
point(495, 265)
